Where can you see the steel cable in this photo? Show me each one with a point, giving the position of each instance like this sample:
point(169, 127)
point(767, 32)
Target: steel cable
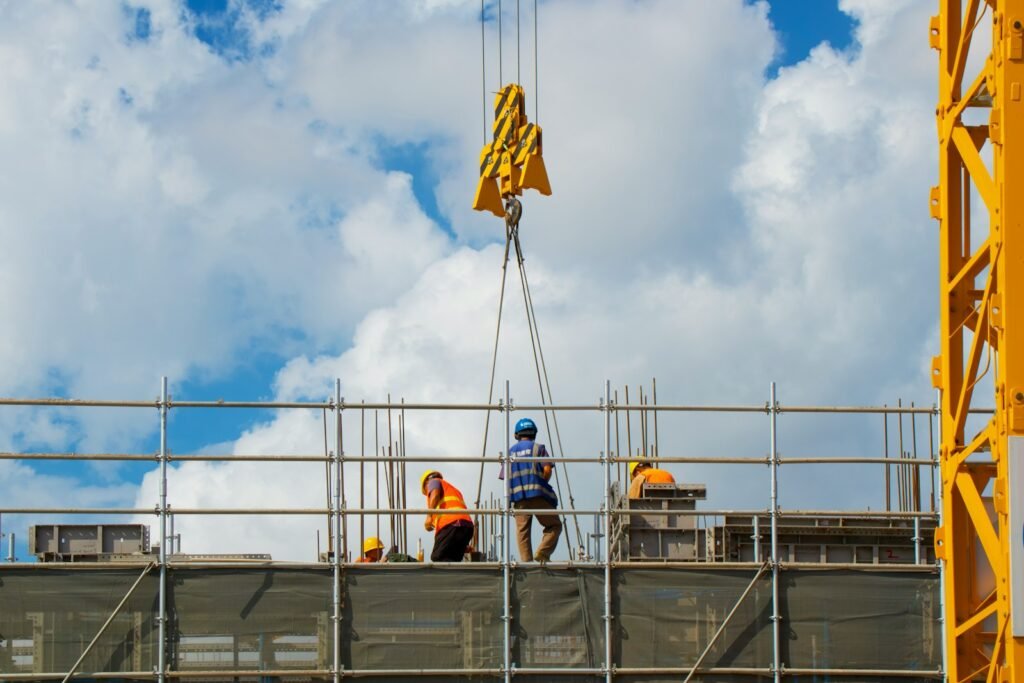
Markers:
point(541, 366)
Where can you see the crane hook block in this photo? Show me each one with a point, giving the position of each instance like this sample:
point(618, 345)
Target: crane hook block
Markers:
point(513, 160)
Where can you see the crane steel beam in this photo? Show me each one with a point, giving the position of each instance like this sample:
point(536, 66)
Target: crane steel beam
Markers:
point(982, 334)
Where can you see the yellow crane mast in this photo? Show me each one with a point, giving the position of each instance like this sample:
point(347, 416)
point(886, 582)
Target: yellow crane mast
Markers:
point(981, 539)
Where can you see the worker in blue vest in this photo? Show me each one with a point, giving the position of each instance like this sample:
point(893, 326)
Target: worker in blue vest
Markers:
point(529, 490)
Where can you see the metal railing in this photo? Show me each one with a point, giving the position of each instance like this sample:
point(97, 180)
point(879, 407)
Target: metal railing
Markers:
point(338, 512)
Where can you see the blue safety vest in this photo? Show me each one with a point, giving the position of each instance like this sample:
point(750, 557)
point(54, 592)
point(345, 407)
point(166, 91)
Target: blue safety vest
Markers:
point(526, 481)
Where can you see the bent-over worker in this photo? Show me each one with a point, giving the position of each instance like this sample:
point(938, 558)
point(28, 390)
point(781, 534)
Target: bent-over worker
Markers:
point(373, 550)
point(529, 489)
point(453, 531)
point(641, 472)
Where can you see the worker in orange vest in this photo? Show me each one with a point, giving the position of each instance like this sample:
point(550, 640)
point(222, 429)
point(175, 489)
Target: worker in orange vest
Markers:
point(641, 472)
point(373, 550)
point(453, 531)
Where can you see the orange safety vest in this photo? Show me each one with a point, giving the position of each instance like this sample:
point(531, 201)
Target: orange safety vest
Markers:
point(450, 500)
point(655, 476)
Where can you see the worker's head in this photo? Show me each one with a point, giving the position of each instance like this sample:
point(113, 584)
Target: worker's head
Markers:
point(428, 475)
point(526, 429)
point(638, 466)
point(372, 549)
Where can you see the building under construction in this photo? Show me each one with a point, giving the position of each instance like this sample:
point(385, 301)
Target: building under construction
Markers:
point(664, 589)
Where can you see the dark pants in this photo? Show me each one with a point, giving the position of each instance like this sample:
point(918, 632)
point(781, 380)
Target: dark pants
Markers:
point(450, 543)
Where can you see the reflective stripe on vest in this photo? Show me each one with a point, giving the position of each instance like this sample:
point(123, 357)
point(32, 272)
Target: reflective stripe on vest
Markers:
point(525, 480)
point(451, 500)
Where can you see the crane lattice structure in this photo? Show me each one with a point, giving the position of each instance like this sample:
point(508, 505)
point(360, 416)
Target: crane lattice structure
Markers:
point(982, 293)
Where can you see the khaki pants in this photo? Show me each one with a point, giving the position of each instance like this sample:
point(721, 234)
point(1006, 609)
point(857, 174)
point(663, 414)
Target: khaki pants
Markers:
point(524, 528)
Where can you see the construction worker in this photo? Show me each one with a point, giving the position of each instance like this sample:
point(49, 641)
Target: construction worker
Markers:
point(529, 490)
point(453, 531)
point(373, 550)
point(641, 472)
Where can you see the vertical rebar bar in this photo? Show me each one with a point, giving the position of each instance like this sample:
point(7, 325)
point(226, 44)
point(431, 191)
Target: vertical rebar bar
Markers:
point(915, 471)
point(629, 432)
point(607, 531)
point(773, 410)
point(393, 494)
point(162, 616)
point(654, 396)
point(339, 482)
point(506, 563)
point(619, 469)
point(402, 479)
point(643, 420)
point(888, 474)
point(327, 488)
point(901, 468)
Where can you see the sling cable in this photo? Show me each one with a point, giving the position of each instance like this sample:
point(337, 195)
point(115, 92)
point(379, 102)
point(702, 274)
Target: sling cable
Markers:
point(512, 161)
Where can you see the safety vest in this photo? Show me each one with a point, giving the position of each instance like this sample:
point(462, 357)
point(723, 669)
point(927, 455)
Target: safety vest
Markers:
point(655, 476)
point(451, 499)
point(525, 481)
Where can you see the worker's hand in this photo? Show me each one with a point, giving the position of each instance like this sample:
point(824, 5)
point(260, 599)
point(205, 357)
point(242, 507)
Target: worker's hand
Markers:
point(429, 524)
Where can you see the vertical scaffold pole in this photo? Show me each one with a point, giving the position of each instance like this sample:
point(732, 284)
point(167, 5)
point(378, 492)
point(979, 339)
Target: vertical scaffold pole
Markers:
point(941, 563)
point(757, 537)
point(506, 533)
point(339, 480)
point(773, 411)
point(162, 512)
point(607, 405)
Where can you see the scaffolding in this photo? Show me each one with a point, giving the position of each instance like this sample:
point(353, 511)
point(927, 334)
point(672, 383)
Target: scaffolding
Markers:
point(598, 618)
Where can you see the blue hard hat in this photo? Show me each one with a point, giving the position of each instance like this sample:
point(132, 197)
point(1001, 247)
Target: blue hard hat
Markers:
point(525, 426)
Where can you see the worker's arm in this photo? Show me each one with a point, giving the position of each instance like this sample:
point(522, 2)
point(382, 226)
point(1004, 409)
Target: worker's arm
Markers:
point(546, 468)
point(636, 487)
point(433, 502)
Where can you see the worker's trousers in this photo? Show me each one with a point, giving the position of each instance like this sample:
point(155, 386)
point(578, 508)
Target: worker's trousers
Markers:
point(524, 528)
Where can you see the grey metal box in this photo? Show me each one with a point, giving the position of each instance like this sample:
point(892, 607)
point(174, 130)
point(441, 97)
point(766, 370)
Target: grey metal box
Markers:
point(86, 541)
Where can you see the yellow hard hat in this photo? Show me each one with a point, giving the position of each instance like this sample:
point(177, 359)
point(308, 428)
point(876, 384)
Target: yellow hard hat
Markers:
point(372, 543)
point(423, 479)
point(636, 463)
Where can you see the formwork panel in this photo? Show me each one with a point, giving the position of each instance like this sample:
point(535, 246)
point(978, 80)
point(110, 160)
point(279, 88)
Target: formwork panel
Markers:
point(664, 618)
point(835, 619)
point(558, 618)
point(422, 618)
point(249, 619)
point(48, 617)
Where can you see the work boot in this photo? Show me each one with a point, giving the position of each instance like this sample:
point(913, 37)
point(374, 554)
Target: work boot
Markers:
point(542, 559)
